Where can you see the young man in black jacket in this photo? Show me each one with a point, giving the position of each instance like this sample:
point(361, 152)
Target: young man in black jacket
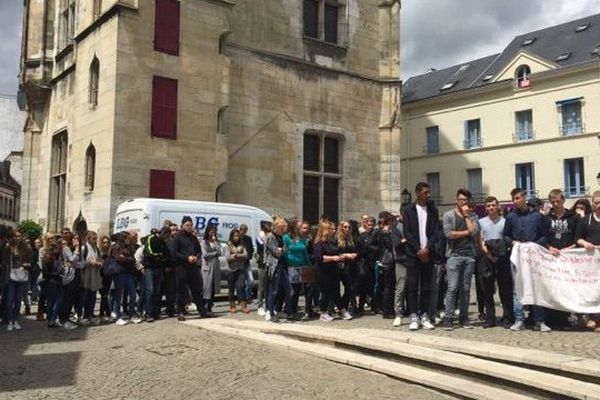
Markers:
point(421, 230)
point(187, 255)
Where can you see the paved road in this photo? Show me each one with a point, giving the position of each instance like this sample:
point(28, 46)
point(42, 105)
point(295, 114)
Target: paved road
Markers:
point(168, 360)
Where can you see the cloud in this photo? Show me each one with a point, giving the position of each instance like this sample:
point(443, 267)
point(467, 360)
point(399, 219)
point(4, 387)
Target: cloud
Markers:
point(11, 13)
point(442, 33)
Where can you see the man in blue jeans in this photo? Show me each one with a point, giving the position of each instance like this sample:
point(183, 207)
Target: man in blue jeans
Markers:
point(461, 228)
point(524, 225)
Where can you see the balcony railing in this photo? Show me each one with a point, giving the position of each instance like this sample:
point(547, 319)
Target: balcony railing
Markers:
point(576, 191)
point(523, 136)
point(572, 128)
point(431, 149)
point(473, 143)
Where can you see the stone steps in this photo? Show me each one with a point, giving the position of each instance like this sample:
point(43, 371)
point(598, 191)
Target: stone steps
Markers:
point(426, 377)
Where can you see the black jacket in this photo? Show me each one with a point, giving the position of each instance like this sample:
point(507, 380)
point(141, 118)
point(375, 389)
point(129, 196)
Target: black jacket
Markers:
point(184, 245)
point(410, 220)
point(367, 247)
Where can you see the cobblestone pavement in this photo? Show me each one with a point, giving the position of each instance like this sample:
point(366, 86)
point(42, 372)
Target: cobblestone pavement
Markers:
point(168, 360)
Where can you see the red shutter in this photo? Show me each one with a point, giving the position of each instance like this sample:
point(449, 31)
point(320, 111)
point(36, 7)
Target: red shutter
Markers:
point(164, 107)
point(162, 184)
point(166, 26)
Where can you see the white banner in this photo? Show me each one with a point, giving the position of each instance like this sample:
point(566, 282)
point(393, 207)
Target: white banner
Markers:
point(568, 282)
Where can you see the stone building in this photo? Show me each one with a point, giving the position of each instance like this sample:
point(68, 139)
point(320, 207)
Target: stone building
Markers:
point(10, 192)
point(288, 105)
point(526, 117)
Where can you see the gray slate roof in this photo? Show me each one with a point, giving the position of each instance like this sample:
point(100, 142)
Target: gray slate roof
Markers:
point(7, 179)
point(549, 43)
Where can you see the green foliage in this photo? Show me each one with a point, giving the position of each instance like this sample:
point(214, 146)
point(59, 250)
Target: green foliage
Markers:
point(31, 228)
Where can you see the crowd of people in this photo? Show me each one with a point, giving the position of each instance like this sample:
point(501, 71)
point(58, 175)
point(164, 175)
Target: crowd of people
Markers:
point(417, 265)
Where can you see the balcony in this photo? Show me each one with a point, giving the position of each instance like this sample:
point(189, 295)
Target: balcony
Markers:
point(572, 128)
point(576, 191)
point(523, 136)
point(431, 149)
point(473, 143)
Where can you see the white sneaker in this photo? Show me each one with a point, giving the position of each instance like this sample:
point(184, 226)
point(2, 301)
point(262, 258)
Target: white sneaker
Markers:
point(267, 316)
point(113, 315)
point(18, 327)
point(397, 321)
point(69, 325)
point(121, 322)
point(10, 327)
point(325, 317)
point(543, 327)
point(345, 315)
point(426, 323)
point(261, 312)
point(518, 326)
point(136, 319)
point(414, 324)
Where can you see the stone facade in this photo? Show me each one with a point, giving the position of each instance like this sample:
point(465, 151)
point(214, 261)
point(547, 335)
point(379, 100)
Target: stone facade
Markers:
point(250, 87)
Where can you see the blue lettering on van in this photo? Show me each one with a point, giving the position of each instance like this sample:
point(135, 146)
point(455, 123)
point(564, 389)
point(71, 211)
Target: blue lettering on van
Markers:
point(122, 223)
point(201, 222)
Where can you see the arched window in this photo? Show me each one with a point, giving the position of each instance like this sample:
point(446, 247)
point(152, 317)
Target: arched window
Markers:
point(90, 167)
point(94, 79)
point(522, 76)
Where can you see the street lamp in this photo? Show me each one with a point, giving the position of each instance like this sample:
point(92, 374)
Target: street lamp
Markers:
point(406, 197)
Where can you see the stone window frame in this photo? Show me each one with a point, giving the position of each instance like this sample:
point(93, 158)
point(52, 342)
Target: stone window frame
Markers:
point(94, 82)
point(58, 180)
point(90, 168)
point(321, 172)
point(343, 19)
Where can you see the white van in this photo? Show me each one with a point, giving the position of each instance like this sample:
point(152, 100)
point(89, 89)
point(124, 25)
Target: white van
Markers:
point(141, 215)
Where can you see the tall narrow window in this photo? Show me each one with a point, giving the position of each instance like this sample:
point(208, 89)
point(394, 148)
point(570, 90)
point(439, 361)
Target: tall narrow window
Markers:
point(475, 184)
point(525, 178)
point(433, 180)
point(574, 178)
point(433, 140)
point(571, 122)
point(90, 167)
point(94, 81)
point(97, 8)
point(166, 26)
point(162, 184)
point(311, 18)
point(164, 107)
point(331, 22)
point(322, 177)
point(523, 126)
point(473, 134)
point(58, 182)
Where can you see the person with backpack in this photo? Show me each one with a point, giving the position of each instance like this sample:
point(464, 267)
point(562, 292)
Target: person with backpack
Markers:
point(155, 259)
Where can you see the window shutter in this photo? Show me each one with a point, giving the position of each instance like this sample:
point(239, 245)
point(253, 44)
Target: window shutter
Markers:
point(166, 26)
point(162, 184)
point(164, 107)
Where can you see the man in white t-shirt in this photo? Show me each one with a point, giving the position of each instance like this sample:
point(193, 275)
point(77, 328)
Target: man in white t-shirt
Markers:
point(422, 232)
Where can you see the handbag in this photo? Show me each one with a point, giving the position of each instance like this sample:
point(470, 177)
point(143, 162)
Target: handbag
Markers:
point(111, 268)
point(18, 273)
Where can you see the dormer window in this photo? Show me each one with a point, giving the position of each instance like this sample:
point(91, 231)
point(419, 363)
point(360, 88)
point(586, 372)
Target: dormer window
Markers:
point(528, 41)
point(583, 27)
point(449, 85)
point(523, 73)
point(563, 57)
point(487, 77)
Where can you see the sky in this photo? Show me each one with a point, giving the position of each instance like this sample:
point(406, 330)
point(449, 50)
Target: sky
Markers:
point(442, 33)
point(435, 33)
